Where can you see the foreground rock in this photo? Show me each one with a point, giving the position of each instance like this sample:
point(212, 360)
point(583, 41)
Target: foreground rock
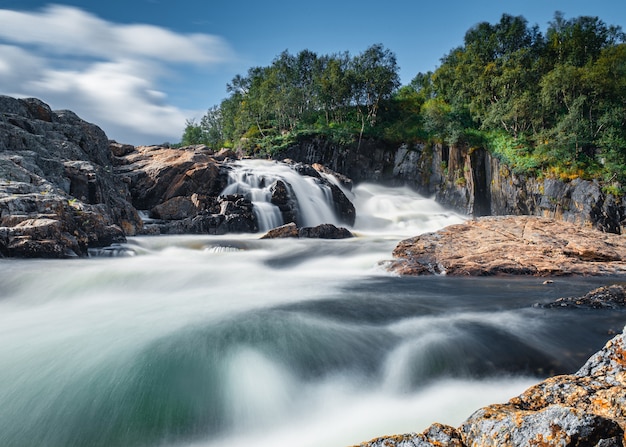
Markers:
point(587, 408)
point(58, 194)
point(323, 231)
point(512, 245)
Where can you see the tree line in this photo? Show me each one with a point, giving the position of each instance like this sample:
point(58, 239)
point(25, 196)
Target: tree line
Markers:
point(300, 93)
point(550, 102)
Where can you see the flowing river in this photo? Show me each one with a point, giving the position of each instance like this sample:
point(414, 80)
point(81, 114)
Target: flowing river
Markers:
point(211, 341)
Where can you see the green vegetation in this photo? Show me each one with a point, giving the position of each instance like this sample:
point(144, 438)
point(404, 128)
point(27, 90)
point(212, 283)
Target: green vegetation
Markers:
point(550, 103)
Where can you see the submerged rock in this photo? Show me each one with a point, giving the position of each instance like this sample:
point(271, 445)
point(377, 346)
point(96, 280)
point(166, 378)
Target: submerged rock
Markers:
point(512, 245)
point(606, 297)
point(587, 408)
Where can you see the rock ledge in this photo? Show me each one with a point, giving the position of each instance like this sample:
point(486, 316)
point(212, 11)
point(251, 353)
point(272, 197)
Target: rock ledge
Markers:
point(512, 245)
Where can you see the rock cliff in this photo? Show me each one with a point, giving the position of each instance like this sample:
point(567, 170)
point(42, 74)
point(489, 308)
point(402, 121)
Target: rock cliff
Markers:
point(470, 181)
point(587, 408)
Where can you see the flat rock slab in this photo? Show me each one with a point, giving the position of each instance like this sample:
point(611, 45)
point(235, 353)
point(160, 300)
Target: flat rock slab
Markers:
point(512, 245)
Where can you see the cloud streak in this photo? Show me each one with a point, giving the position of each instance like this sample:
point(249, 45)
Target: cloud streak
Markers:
point(108, 73)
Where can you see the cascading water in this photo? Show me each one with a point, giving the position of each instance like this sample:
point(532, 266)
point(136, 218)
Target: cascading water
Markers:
point(211, 341)
point(255, 178)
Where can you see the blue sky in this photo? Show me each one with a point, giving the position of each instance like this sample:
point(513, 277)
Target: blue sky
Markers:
point(140, 68)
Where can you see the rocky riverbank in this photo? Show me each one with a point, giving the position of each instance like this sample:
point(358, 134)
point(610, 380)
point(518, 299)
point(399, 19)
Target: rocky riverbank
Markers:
point(512, 245)
point(58, 193)
point(587, 408)
point(65, 188)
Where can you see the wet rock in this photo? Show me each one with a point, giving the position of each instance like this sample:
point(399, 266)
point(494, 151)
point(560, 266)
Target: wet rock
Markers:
point(343, 206)
point(512, 245)
point(608, 297)
point(284, 231)
point(282, 197)
point(323, 231)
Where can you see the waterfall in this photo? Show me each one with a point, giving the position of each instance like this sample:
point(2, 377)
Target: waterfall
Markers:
point(254, 179)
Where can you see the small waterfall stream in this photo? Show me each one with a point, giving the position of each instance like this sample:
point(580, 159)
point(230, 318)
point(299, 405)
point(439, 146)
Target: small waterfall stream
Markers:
point(255, 178)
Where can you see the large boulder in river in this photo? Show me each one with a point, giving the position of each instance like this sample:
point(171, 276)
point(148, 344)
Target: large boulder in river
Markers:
point(512, 245)
point(587, 408)
point(156, 174)
point(58, 193)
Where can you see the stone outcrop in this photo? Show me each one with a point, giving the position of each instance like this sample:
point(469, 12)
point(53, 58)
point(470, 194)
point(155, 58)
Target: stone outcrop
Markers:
point(512, 245)
point(323, 231)
point(58, 194)
point(587, 408)
point(180, 189)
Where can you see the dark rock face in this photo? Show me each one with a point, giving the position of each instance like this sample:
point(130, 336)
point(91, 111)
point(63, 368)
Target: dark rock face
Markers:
point(609, 297)
point(470, 181)
point(513, 245)
point(58, 194)
point(283, 199)
point(325, 231)
point(587, 408)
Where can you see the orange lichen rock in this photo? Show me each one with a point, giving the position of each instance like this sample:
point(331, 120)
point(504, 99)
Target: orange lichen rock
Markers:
point(587, 408)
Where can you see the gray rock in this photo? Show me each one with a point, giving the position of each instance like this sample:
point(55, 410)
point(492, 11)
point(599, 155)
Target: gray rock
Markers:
point(56, 167)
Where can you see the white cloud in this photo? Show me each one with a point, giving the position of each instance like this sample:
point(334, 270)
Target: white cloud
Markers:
point(108, 73)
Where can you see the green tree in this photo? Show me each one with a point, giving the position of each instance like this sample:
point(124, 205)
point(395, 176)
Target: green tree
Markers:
point(193, 134)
